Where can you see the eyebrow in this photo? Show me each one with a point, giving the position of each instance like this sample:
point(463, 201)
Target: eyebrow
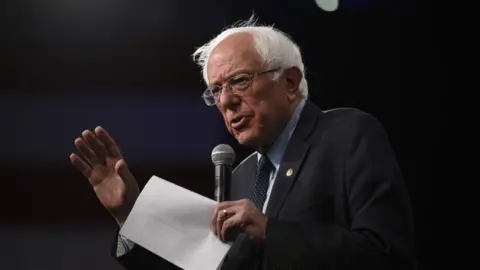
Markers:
point(235, 73)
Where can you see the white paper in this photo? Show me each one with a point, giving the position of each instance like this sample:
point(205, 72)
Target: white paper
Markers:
point(174, 223)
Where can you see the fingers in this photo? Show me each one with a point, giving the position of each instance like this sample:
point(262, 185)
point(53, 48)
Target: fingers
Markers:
point(122, 169)
point(231, 218)
point(81, 165)
point(109, 143)
point(221, 217)
point(227, 227)
point(86, 151)
point(218, 215)
point(95, 145)
point(231, 221)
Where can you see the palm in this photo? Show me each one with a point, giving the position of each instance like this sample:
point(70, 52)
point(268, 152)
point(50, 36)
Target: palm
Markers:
point(107, 172)
point(108, 184)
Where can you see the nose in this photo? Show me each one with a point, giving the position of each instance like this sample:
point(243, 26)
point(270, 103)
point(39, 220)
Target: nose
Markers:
point(227, 99)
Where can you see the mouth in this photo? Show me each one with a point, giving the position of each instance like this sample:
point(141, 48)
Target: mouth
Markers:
point(240, 122)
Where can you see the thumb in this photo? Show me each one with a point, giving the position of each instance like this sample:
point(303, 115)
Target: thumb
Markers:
point(122, 170)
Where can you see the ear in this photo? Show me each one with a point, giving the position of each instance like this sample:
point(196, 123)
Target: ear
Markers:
point(292, 76)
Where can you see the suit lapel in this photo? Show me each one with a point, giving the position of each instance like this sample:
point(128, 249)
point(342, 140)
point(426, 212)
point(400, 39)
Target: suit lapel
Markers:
point(247, 175)
point(286, 177)
point(293, 158)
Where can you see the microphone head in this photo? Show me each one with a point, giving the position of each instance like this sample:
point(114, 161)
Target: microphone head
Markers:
point(223, 154)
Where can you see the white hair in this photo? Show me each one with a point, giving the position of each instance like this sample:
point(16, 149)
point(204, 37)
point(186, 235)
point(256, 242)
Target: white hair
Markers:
point(275, 48)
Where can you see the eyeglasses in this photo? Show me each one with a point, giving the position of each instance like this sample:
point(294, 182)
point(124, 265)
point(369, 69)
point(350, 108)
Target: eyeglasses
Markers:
point(237, 84)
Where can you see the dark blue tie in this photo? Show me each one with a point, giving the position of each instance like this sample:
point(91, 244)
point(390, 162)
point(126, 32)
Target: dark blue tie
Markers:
point(258, 196)
point(262, 179)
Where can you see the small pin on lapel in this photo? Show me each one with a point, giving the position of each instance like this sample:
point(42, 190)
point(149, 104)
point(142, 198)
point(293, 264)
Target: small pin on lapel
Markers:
point(289, 172)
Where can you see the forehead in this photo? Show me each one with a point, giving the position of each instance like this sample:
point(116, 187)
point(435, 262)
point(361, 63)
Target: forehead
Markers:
point(234, 54)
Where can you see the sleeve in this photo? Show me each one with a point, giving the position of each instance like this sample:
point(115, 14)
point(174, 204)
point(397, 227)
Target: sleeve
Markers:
point(124, 245)
point(132, 256)
point(380, 235)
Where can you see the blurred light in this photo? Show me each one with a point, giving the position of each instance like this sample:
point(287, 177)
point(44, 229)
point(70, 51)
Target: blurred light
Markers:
point(327, 5)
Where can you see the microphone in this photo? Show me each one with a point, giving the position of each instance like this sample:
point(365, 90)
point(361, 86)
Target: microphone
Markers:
point(223, 157)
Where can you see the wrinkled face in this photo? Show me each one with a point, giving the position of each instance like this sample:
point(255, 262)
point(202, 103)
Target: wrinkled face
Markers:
point(257, 116)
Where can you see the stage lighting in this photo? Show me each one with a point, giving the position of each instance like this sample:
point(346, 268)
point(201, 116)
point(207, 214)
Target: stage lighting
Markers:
point(327, 5)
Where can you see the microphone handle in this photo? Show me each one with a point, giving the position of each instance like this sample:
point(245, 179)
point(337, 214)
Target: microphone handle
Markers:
point(223, 174)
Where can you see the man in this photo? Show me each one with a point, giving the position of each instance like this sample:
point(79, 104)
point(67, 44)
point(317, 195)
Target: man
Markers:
point(322, 190)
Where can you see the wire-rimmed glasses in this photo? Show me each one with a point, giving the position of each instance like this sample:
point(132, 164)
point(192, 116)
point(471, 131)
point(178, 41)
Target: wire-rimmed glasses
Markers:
point(237, 84)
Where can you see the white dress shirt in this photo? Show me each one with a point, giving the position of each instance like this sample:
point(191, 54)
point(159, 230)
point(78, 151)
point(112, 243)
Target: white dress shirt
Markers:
point(277, 150)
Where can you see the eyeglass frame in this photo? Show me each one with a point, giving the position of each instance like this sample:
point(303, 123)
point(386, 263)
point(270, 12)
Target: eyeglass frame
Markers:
point(251, 77)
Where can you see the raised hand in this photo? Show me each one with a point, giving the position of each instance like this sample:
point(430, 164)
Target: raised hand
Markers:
point(103, 165)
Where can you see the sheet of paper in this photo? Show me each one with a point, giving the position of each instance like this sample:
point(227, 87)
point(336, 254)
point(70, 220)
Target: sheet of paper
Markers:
point(174, 223)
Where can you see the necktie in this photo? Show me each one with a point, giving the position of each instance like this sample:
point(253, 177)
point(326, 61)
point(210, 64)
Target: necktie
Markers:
point(262, 179)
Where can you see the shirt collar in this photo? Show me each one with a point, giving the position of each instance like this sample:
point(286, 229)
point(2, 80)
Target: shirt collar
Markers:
point(276, 151)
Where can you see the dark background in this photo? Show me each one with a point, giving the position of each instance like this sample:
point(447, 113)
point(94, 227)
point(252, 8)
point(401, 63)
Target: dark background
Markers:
point(68, 65)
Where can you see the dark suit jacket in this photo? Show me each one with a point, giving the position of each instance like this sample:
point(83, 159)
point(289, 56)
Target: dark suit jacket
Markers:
point(344, 207)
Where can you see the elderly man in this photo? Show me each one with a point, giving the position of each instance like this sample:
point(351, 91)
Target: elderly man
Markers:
point(322, 190)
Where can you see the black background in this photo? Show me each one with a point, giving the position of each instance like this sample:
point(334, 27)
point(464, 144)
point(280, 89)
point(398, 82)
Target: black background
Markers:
point(378, 56)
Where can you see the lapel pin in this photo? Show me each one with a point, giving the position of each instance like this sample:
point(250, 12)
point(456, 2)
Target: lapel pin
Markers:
point(289, 172)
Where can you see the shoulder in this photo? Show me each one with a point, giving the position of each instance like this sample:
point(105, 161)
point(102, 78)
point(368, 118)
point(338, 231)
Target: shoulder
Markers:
point(342, 128)
point(350, 120)
point(348, 115)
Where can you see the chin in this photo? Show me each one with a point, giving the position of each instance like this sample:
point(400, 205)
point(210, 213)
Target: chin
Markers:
point(246, 138)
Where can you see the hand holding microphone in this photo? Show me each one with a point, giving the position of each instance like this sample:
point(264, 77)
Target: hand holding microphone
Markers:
point(231, 217)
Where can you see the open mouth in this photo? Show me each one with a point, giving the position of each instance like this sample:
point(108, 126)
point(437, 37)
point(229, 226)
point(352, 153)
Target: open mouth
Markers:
point(239, 122)
point(236, 119)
